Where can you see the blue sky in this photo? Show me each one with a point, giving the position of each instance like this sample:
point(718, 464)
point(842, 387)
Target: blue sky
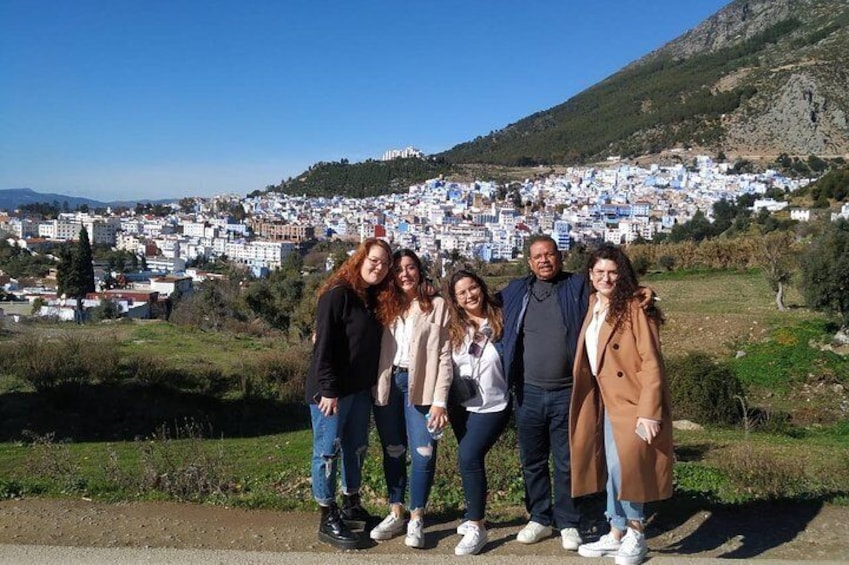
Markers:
point(119, 99)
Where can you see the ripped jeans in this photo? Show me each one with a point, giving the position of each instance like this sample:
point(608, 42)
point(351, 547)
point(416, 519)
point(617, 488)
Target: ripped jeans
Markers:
point(345, 435)
point(403, 428)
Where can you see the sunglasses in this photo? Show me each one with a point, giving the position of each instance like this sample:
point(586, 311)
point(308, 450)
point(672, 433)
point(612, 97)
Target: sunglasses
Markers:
point(475, 348)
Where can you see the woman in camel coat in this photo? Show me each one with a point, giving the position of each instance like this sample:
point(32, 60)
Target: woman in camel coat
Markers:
point(620, 391)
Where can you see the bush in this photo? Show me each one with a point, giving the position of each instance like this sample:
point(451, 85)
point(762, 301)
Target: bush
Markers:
point(178, 463)
point(704, 390)
point(277, 374)
point(70, 361)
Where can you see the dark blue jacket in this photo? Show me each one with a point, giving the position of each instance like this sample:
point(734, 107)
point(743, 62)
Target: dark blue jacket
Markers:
point(573, 297)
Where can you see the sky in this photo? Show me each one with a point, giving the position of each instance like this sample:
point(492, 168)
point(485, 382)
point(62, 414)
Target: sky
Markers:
point(128, 99)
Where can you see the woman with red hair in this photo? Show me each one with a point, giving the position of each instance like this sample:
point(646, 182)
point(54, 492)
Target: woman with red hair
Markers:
point(339, 381)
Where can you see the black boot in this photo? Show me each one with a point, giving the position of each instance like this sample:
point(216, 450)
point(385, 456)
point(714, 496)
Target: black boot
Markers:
point(353, 512)
point(333, 530)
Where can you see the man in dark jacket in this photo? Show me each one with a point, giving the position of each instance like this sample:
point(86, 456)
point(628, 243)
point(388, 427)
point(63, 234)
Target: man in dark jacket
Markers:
point(543, 314)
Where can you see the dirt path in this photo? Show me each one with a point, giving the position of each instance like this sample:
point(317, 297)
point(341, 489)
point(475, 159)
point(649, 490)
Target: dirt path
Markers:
point(793, 533)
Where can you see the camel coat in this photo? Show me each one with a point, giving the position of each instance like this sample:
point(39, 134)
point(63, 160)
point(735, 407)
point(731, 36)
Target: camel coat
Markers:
point(430, 368)
point(631, 383)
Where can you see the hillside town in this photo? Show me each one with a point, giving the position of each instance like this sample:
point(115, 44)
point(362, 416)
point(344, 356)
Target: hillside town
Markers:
point(485, 220)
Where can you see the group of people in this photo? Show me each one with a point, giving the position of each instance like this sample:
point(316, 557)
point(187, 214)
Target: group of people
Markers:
point(577, 353)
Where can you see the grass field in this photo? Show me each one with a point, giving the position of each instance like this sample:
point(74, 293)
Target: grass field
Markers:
point(207, 416)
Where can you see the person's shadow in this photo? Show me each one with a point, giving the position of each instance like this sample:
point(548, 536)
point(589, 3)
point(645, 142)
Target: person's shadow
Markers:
point(733, 531)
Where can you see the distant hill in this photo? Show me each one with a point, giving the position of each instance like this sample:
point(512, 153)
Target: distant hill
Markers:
point(368, 178)
point(760, 77)
point(13, 198)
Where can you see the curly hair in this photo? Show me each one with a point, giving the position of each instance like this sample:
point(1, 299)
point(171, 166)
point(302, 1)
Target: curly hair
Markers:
point(626, 285)
point(397, 302)
point(348, 274)
point(459, 322)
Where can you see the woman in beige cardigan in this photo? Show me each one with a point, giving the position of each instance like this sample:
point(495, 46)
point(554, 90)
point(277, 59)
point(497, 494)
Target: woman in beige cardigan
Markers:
point(620, 421)
point(414, 375)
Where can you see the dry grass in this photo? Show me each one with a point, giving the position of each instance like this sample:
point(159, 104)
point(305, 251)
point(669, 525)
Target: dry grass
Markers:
point(716, 312)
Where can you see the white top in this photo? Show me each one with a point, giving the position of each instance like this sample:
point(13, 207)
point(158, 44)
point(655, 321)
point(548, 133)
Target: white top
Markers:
point(487, 370)
point(591, 336)
point(402, 330)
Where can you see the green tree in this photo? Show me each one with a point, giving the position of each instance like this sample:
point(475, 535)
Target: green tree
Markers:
point(75, 273)
point(275, 298)
point(825, 271)
point(84, 263)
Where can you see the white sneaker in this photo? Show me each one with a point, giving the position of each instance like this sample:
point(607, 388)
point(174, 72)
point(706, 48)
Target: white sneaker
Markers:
point(473, 540)
point(606, 546)
point(390, 527)
point(463, 527)
point(633, 549)
point(533, 532)
point(415, 533)
point(570, 538)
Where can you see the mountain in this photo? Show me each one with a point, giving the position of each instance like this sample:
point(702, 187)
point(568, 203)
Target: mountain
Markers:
point(758, 78)
point(12, 198)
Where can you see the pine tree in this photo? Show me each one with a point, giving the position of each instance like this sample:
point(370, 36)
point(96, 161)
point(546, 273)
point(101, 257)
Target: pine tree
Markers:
point(84, 264)
point(75, 273)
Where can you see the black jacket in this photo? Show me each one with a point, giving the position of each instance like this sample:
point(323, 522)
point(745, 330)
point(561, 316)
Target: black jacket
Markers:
point(347, 346)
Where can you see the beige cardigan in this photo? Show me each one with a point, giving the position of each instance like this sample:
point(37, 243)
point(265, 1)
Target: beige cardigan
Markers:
point(430, 358)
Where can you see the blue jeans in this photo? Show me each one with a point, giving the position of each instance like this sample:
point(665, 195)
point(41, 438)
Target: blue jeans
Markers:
point(401, 425)
point(344, 433)
point(476, 434)
point(618, 511)
point(542, 418)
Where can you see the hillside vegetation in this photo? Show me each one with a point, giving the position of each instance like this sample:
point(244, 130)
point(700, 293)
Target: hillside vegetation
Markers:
point(369, 178)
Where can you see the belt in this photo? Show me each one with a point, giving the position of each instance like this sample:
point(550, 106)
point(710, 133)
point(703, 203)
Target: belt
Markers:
point(398, 369)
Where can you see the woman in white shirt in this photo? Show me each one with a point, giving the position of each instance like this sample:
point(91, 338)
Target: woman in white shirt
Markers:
point(414, 374)
point(475, 330)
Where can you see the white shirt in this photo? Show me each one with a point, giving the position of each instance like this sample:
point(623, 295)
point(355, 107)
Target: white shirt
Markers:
point(593, 330)
point(402, 330)
point(487, 370)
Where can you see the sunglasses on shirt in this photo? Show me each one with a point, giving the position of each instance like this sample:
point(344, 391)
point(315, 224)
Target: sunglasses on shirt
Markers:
point(480, 337)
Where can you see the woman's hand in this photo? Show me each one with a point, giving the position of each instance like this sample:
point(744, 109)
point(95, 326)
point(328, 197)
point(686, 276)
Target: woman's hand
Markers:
point(437, 418)
point(328, 406)
point(646, 295)
point(652, 428)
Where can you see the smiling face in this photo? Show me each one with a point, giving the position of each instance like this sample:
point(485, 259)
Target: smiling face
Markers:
point(407, 275)
point(604, 274)
point(469, 296)
point(375, 266)
point(544, 260)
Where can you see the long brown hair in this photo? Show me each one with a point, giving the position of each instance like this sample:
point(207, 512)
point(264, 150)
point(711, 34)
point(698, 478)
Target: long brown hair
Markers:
point(626, 285)
point(348, 273)
point(397, 302)
point(460, 322)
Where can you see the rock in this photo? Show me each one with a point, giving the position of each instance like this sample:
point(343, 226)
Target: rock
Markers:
point(740, 354)
point(686, 425)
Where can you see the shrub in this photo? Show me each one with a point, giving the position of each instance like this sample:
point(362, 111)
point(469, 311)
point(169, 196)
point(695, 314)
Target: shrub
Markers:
point(52, 460)
point(178, 464)
point(106, 310)
point(704, 390)
point(69, 361)
point(276, 374)
point(48, 364)
point(667, 262)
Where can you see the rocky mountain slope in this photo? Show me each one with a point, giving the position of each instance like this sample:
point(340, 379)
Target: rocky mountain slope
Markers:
point(760, 77)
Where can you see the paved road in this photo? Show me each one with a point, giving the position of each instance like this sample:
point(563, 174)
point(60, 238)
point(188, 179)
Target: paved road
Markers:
point(57, 555)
